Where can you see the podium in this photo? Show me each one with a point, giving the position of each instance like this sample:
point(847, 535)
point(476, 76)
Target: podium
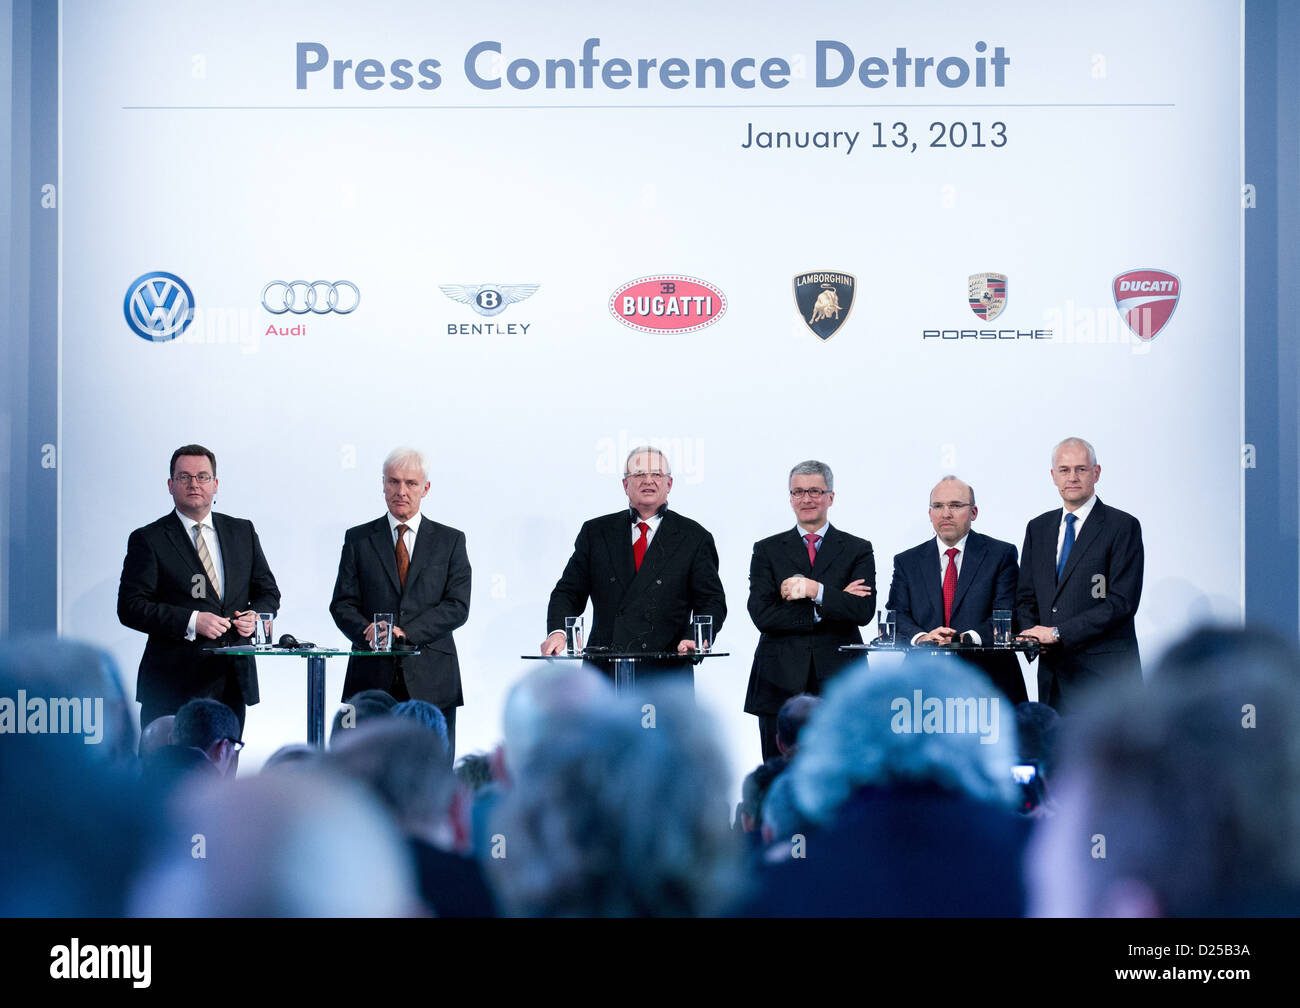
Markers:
point(625, 662)
point(315, 676)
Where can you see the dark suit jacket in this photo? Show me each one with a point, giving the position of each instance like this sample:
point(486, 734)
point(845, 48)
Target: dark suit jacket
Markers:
point(434, 602)
point(987, 581)
point(157, 594)
point(1094, 613)
point(645, 610)
point(792, 644)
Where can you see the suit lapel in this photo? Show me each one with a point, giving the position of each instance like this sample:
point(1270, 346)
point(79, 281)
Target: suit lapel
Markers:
point(970, 565)
point(796, 549)
point(1083, 543)
point(420, 556)
point(381, 541)
point(830, 548)
point(932, 578)
point(232, 552)
point(1045, 558)
point(618, 544)
point(183, 545)
point(662, 546)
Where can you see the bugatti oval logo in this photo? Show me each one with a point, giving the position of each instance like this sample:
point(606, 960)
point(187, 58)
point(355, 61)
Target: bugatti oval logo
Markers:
point(668, 303)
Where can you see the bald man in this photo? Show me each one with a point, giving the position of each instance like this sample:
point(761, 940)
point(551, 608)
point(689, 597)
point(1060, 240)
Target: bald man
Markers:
point(945, 590)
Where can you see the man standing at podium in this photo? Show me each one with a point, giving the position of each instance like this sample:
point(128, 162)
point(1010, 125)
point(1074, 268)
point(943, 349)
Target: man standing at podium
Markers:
point(945, 590)
point(411, 566)
point(1080, 583)
point(810, 588)
point(646, 570)
point(193, 581)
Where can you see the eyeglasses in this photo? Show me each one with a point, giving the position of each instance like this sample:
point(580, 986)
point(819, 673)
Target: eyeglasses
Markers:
point(202, 479)
point(238, 744)
point(647, 477)
point(815, 494)
point(953, 506)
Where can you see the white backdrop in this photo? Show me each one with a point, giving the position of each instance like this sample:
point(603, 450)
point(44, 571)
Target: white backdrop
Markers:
point(188, 148)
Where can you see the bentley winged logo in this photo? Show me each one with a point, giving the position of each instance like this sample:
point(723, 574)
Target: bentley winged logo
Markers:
point(489, 299)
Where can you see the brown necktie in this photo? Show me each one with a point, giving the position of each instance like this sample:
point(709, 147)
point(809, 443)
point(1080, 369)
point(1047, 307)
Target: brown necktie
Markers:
point(403, 558)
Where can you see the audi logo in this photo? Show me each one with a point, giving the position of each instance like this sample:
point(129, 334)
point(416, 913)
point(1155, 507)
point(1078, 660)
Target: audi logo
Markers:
point(301, 297)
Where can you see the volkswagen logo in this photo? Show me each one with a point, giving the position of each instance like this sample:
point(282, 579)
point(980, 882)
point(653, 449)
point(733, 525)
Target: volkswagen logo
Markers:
point(158, 306)
point(320, 297)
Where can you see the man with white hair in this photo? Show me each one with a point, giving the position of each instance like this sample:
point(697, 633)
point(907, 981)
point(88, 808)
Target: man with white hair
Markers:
point(646, 570)
point(1080, 583)
point(411, 566)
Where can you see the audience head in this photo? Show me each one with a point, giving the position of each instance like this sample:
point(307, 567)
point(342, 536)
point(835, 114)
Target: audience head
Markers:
point(298, 843)
point(425, 713)
point(559, 691)
point(404, 766)
point(619, 810)
point(295, 754)
point(1190, 788)
point(754, 790)
point(360, 708)
point(868, 735)
point(474, 770)
point(794, 714)
point(157, 733)
point(211, 726)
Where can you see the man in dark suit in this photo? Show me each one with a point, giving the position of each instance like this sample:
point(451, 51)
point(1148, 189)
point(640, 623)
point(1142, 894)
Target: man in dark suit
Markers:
point(945, 590)
point(810, 588)
point(1080, 583)
point(193, 581)
point(646, 570)
point(418, 570)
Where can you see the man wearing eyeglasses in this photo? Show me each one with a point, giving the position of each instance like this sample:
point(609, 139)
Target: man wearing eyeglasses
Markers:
point(417, 569)
point(647, 571)
point(810, 589)
point(944, 591)
point(193, 580)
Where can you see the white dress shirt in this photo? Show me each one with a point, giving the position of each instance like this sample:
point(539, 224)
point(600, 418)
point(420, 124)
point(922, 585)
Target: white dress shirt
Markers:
point(960, 546)
point(214, 551)
point(821, 588)
point(1081, 516)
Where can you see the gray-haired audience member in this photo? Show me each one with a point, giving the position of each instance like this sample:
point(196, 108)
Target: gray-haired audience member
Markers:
point(212, 727)
point(1189, 787)
point(550, 694)
point(614, 816)
point(285, 844)
point(906, 779)
point(294, 754)
point(790, 721)
point(404, 764)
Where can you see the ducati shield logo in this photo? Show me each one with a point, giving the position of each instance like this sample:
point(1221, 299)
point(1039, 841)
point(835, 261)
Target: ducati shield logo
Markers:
point(987, 293)
point(824, 300)
point(1146, 299)
point(489, 299)
point(158, 306)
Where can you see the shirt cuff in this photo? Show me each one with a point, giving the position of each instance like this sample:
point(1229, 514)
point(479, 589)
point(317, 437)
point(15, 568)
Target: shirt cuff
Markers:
point(191, 633)
point(917, 637)
point(974, 636)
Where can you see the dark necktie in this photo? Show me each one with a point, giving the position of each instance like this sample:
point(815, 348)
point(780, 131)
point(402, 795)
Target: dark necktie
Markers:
point(1066, 545)
point(949, 585)
point(403, 558)
point(812, 539)
point(639, 547)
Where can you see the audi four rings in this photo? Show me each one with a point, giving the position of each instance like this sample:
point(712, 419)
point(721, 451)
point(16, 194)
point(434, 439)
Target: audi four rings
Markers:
point(291, 300)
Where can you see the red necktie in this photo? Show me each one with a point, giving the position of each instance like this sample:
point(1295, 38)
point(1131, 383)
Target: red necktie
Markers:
point(403, 558)
point(812, 539)
point(639, 547)
point(949, 585)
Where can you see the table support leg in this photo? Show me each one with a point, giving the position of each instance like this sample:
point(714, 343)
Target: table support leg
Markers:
point(316, 701)
point(624, 675)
